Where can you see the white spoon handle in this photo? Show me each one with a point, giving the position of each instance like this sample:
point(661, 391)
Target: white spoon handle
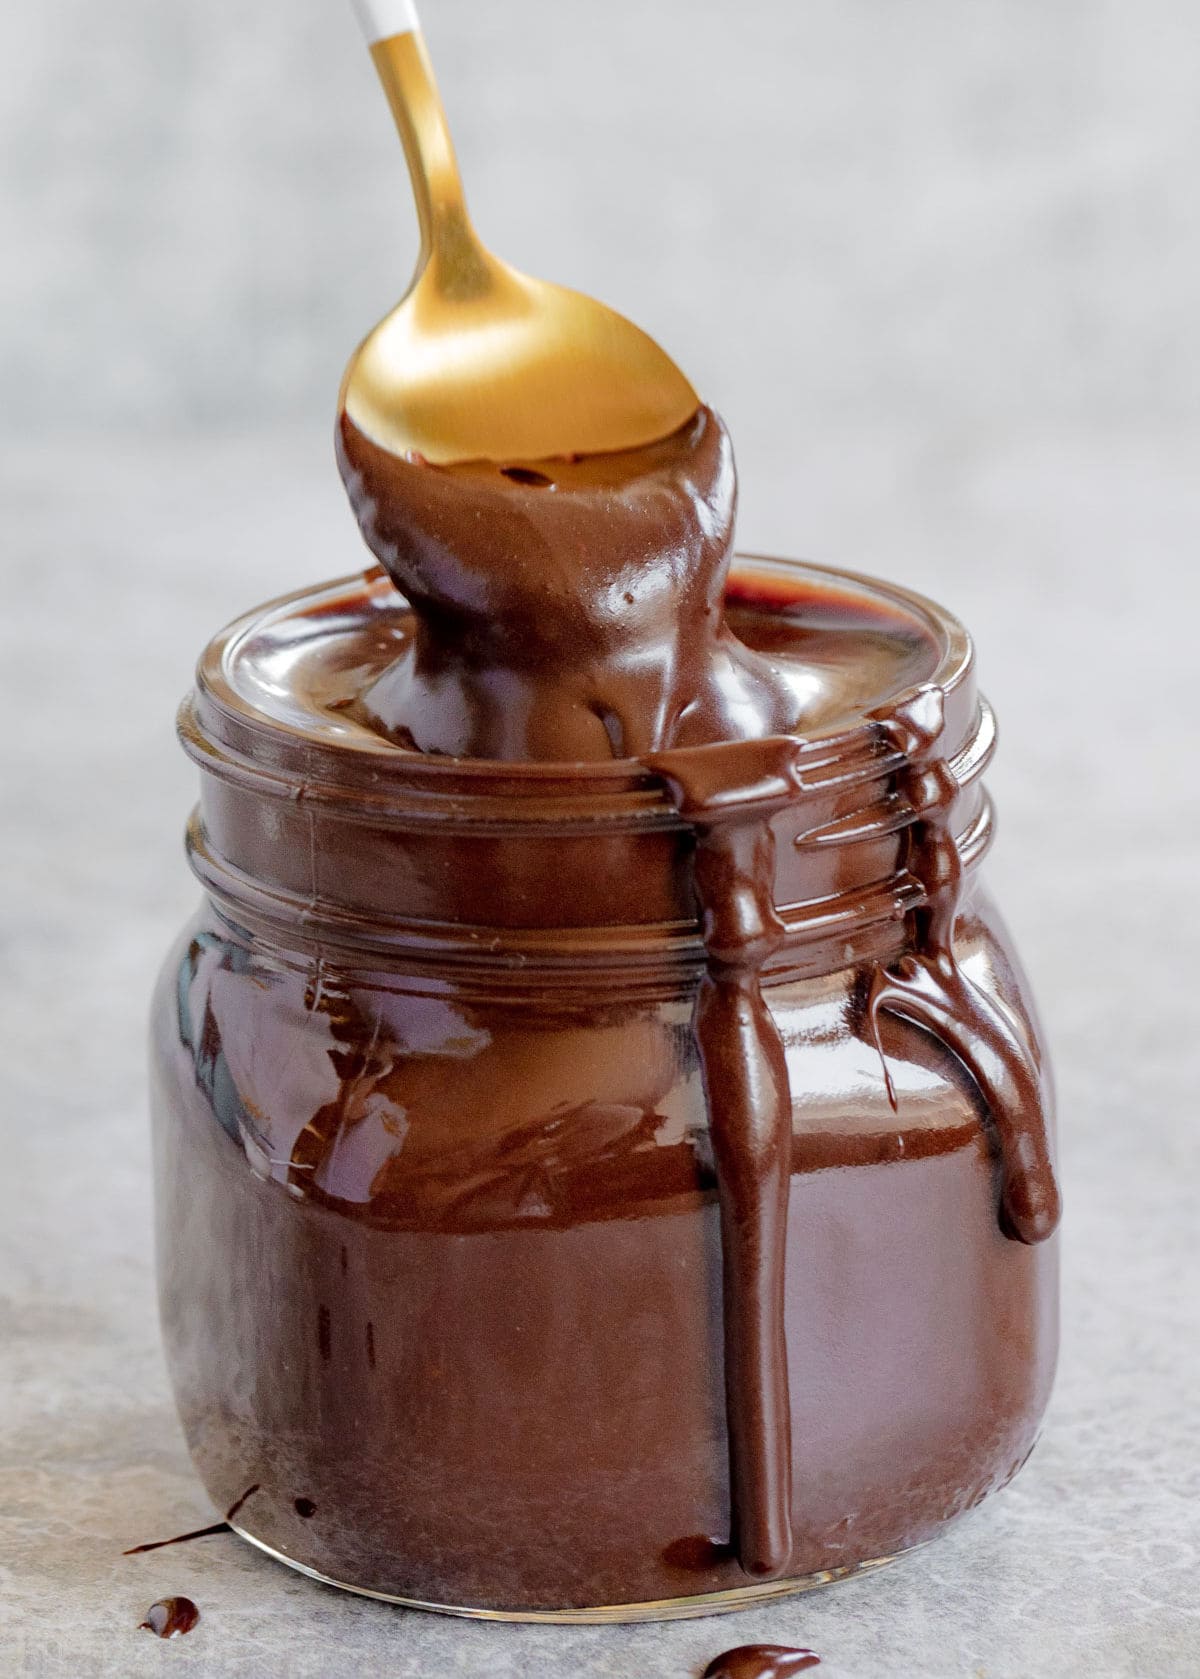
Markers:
point(382, 19)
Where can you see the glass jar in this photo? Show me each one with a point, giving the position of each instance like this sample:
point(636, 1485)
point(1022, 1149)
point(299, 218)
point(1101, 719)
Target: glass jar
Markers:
point(439, 1233)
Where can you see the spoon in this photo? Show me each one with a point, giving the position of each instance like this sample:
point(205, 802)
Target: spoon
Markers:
point(478, 361)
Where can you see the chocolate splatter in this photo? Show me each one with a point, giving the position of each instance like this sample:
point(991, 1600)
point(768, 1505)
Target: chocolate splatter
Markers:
point(198, 1532)
point(761, 1661)
point(171, 1617)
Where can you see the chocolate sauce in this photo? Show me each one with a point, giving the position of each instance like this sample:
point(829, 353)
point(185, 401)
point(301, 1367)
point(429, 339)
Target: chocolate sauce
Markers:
point(180, 1539)
point(697, 1554)
point(575, 611)
point(235, 1508)
point(522, 1140)
point(565, 610)
point(196, 1533)
point(929, 989)
point(171, 1617)
point(728, 794)
point(760, 1661)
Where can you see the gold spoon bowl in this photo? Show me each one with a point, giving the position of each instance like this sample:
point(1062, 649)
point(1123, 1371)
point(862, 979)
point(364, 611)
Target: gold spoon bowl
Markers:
point(478, 361)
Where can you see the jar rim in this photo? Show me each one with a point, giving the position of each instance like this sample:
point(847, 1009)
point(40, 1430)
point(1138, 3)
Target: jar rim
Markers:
point(229, 735)
point(391, 854)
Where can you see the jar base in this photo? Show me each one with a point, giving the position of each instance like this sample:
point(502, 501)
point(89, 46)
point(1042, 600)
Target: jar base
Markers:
point(668, 1609)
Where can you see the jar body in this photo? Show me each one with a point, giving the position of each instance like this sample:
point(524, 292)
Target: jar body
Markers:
point(441, 1276)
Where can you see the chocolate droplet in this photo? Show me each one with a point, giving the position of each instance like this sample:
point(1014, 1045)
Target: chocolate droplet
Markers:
point(761, 1661)
point(171, 1617)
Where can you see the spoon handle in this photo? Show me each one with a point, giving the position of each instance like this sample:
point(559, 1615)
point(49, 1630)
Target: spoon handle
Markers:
point(401, 58)
point(381, 19)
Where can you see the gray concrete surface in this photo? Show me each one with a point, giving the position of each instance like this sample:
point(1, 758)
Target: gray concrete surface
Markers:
point(1067, 561)
point(938, 265)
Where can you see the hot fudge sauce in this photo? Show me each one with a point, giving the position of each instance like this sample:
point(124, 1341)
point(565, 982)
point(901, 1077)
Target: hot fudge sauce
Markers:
point(570, 613)
point(531, 1190)
point(761, 1661)
point(602, 1134)
point(179, 1539)
point(197, 1532)
point(171, 1617)
point(574, 612)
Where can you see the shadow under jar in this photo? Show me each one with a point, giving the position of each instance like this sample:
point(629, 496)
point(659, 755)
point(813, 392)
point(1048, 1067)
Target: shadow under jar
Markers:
point(443, 1270)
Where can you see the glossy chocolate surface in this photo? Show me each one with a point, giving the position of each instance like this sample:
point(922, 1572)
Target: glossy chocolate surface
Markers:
point(481, 1241)
point(569, 612)
point(576, 611)
point(761, 1661)
point(171, 1617)
point(301, 667)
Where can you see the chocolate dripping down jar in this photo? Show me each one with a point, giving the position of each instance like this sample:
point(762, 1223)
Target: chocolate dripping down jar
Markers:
point(461, 1305)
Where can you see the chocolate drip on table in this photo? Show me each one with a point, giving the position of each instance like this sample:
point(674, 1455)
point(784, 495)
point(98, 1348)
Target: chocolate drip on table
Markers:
point(179, 1539)
point(171, 1617)
point(929, 989)
point(196, 1533)
point(761, 1661)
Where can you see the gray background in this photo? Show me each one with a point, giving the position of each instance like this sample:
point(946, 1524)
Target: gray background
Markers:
point(938, 264)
